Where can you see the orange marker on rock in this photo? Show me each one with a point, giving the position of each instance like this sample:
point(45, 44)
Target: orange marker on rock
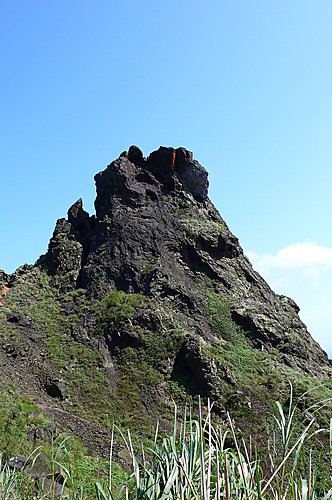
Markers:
point(173, 162)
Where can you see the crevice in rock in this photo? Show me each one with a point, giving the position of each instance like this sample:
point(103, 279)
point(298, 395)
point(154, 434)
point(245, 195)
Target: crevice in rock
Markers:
point(195, 262)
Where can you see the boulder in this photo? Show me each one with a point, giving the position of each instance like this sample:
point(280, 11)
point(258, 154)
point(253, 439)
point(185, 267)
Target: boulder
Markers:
point(56, 388)
point(17, 462)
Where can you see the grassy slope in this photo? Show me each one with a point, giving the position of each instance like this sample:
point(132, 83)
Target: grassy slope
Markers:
point(254, 379)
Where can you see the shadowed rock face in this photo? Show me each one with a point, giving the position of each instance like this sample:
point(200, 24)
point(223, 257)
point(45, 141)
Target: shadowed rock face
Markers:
point(156, 232)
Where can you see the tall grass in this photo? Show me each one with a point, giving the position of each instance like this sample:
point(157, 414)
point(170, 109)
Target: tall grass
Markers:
point(8, 481)
point(200, 461)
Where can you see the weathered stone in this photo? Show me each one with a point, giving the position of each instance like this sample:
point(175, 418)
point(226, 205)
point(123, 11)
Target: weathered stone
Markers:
point(64, 255)
point(193, 177)
point(4, 278)
point(167, 164)
point(155, 233)
point(44, 433)
point(17, 462)
point(160, 163)
point(56, 389)
point(200, 368)
point(80, 219)
point(135, 155)
point(19, 319)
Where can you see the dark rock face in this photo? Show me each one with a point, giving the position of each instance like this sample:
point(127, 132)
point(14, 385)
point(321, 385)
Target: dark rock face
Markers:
point(64, 253)
point(156, 232)
point(41, 469)
point(45, 433)
point(80, 221)
point(19, 319)
point(173, 166)
point(69, 246)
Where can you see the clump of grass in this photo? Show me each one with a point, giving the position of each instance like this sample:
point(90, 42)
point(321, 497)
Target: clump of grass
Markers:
point(8, 481)
point(199, 226)
point(116, 310)
point(200, 461)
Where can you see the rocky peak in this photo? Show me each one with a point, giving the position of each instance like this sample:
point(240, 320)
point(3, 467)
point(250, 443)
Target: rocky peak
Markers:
point(156, 232)
point(166, 170)
point(176, 169)
point(151, 300)
point(135, 156)
point(77, 216)
point(82, 225)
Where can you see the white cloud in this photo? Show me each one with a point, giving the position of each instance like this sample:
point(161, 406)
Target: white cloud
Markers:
point(303, 271)
point(306, 255)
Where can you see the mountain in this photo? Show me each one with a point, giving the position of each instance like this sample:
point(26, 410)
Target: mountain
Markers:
point(149, 301)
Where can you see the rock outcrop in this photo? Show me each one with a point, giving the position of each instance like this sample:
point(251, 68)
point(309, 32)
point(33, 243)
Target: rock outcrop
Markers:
point(156, 232)
point(149, 300)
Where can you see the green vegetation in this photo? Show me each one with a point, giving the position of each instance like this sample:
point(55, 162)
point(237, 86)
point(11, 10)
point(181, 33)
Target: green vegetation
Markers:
point(116, 311)
point(199, 460)
point(199, 226)
point(80, 365)
point(151, 266)
point(247, 365)
point(204, 462)
point(121, 359)
point(17, 418)
point(218, 312)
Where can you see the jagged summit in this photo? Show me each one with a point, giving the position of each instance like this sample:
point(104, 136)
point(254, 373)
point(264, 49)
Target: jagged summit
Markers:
point(164, 171)
point(131, 188)
point(133, 179)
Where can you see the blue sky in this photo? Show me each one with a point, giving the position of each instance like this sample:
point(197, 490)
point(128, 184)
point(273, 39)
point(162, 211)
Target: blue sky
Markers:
point(245, 85)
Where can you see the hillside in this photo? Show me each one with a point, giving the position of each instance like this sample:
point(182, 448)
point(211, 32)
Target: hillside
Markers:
point(149, 301)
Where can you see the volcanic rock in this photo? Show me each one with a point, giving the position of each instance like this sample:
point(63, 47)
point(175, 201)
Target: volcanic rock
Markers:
point(156, 232)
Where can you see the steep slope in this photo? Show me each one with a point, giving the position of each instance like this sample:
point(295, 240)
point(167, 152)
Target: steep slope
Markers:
point(149, 300)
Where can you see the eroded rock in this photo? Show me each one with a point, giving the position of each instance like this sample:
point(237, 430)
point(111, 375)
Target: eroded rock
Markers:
point(156, 232)
point(56, 389)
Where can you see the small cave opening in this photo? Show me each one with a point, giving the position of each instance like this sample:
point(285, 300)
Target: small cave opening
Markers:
point(185, 375)
point(56, 389)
